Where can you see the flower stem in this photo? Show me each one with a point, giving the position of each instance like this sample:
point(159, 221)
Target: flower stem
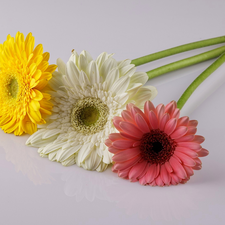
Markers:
point(186, 62)
point(178, 49)
point(185, 96)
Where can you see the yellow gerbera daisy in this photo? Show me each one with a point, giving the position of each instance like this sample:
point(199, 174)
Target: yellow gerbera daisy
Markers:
point(24, 75)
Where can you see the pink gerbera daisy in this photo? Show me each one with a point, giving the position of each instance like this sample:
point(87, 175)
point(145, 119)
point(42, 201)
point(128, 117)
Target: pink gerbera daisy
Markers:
point(155, 147)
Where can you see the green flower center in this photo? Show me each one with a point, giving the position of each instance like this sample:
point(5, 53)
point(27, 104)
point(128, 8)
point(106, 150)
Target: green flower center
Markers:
point(13, 87)
point(89, 115)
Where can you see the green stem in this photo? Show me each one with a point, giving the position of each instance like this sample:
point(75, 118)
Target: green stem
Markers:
point(185, 96)
point(186, 62)
point(178, 49)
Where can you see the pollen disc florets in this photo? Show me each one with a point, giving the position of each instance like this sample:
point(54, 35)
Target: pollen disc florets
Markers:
point(89, 115)
point(157, 147)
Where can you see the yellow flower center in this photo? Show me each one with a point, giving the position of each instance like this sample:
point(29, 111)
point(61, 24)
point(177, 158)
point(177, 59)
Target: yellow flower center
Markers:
point(13, 87)
point(89, 115)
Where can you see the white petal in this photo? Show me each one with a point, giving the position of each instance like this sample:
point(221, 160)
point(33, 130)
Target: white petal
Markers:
point(94, 73)
point(124, 70)
point(74, 57)
point(107, 66)
point(112, 77)
point(121, 85)
point(86, 55)
point(83, 63)
point(102, 167)
point(84, 152)
point(144, 94)
point(65, 153)
point(84, 80)
point(107, 157)
point(72, 73)
point(61, 66)
point(92, 162)
point(101, 59)
point(50, 133)
point(52, 147)
point(139, 77)
point(124, 63)
point(69, 161)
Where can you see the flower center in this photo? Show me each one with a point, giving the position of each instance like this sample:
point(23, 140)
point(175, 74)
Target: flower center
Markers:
point(13, 87)
point(89, 115)
point(157, 147)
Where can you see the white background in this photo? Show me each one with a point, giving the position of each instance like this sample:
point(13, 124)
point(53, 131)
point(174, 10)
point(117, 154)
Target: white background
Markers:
point(36, 191)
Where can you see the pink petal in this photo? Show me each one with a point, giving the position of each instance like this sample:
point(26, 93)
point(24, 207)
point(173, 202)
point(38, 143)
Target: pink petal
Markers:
point(188, 161)
point(187, 151)
point(165, 175)
point(159, 181)
point(116, 122)
point(152, 172)
point(199, 139)
point(123, 144)
point(193, 123)
point(186, 138)
point(170, 126)
point(131, 129)
point(124, 173)
point(163, 121)
point(178, 168)
point(148, 107)
point(128, 136)
point(170, 107)
point(136, 143)
point(191, 130)
point(113, 169)
point(141, 123)
point(129, 106)
point(127, 116)
point(183, 121)
point(176, 114)
point(153, 183)
point(115, 136)
point(197, 167)
point(198, 162)
point(153, 120)
point(108, 142)
point(126, 155)
point(137, 170)
point(203, 152)
point(175, 179)
point(114, 150)
point(168, 167)
point(179, 132)
point(142, 181)
point(191, 145)
point(127, 164)
point(135, 110)
point(160, 110)
point(189, 170)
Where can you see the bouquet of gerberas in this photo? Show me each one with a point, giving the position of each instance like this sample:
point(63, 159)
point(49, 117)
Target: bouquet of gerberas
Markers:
point(89, 111)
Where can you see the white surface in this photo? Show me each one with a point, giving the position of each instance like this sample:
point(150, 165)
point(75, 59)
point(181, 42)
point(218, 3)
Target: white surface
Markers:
point(36, 191)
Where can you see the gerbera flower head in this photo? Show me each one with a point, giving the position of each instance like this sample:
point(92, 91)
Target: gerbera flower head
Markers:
point(87, 95)
point(24, 73)
point(155, 147)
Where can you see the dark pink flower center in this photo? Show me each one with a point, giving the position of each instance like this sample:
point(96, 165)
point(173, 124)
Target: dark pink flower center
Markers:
point(157, 147)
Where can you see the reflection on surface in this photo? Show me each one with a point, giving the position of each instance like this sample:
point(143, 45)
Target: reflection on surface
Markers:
point(157, 203)
point(89, 185)
point(25, 159)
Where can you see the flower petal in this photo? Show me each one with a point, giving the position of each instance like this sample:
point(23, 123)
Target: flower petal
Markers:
point(126, 155)
point(131, 129)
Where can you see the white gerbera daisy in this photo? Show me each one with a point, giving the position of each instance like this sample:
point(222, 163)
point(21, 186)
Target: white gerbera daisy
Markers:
point(86, 95)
